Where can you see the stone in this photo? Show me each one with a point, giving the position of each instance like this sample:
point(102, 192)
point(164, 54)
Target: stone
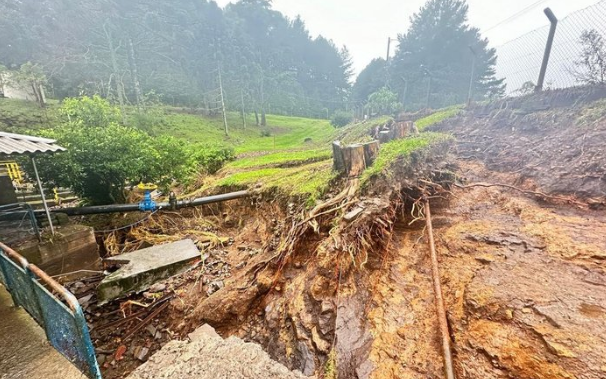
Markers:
point(142, 354)
point(158, 287)
point(151, 329)
point(214, 286)
point(142, 268)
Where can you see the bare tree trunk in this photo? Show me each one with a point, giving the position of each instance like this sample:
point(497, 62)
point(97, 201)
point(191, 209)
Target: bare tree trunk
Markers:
point(119, 86)
point(135, 76)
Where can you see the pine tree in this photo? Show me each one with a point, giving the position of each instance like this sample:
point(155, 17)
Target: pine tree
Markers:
point(435, 56)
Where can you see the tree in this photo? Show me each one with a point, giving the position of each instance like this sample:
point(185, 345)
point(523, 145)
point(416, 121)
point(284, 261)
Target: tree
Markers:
point(370, 79)
point(592, 63)
point(103, 156)
point(383, 102)
point(435, 54)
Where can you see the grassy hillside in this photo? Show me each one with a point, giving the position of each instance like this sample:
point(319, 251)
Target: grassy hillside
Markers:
point(19, 116)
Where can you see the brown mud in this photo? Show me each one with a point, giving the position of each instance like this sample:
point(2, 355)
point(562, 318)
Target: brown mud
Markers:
point(523, 274)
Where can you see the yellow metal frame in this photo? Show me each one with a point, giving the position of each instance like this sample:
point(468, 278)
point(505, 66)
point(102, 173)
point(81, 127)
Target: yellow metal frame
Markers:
point(14, 171)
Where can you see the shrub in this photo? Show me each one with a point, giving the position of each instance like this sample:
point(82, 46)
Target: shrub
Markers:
point(212, 159)
point(341, 118)
point(101, 160)
point(265, 133)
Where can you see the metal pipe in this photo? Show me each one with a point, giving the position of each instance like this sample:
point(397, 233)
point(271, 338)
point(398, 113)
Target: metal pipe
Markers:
point(119, 208)
point(437, 288)
point(50, 221)
point(554, 23)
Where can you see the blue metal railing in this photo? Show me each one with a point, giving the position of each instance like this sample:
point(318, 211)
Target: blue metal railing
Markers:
point(53, 307)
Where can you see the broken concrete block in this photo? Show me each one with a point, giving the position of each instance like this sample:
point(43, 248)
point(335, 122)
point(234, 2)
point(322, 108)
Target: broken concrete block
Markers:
point(143, 268)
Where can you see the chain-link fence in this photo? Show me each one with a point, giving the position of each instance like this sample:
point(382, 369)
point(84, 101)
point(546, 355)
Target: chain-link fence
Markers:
point(519, 61)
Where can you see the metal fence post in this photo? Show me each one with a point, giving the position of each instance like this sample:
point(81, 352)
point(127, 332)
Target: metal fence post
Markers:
point(554, 23)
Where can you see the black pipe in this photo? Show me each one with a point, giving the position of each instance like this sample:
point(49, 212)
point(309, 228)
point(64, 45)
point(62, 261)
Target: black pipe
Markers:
point(119, 208)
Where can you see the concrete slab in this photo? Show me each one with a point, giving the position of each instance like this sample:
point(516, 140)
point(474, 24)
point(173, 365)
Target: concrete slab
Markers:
point(145, 267)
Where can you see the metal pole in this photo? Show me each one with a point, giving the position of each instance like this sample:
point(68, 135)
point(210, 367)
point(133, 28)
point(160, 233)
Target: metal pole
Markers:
point(243, 113)
point(405, 92)
point(223, 103)
point(428, 91)
point(473, 74)
point(554, 23)
point(50, 221)
point(437, 287)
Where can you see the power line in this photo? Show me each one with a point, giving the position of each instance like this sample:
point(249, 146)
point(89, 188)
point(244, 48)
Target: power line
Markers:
point(516, 15)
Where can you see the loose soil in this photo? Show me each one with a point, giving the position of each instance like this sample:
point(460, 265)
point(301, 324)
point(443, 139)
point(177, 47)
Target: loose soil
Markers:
point(523, 275)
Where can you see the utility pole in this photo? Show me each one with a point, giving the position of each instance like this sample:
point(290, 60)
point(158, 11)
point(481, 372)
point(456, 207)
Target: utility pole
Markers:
point(473, 74)
point(387, 62)
point(243, 113)
point(223, 103)
point(405, 92)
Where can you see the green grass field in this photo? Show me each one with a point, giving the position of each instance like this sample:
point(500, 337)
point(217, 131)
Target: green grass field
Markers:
point(291, 155)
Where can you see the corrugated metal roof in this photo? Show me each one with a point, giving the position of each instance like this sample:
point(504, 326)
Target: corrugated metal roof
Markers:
point(21, 144)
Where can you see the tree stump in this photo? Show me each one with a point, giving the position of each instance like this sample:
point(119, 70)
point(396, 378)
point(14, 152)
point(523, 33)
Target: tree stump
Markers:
point(353, 157)
point(385, 136)
point(371, 150)
point(337, 154)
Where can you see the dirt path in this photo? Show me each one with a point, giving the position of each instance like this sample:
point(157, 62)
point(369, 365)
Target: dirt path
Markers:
point(523, 282)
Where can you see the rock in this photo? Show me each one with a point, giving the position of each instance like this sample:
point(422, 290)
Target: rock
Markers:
point(306, 359)
point(101, 359)
point(158, 287)
point(485, 258)
point(509, 314)
point(214, 286)
point(142, 355)
point(151, 329)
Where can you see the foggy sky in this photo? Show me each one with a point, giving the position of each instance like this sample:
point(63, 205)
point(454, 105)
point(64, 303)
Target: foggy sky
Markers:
point(364, 25)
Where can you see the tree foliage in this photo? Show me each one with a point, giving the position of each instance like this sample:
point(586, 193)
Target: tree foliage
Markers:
point(591, 66)
point(437, 51)
point(103, 156)
point(341, 118)
point(383, 102)
point(370, 79)
point(125, 49)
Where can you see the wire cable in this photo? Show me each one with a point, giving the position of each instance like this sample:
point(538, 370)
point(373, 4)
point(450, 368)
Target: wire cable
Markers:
point(130, 225)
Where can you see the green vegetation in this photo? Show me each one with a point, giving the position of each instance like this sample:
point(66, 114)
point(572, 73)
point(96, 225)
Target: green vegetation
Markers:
point(308, 182)
point(285, 132)
point(103, 156)
point(341, 118)
point(438, 116)
point(360, 132)
point(283, 158)
point(383, 102)
point(19, 116)
point(396, 150)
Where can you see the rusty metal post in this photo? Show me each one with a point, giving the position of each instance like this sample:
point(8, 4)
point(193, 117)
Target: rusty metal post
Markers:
point(554, 24)
point(437, 288)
